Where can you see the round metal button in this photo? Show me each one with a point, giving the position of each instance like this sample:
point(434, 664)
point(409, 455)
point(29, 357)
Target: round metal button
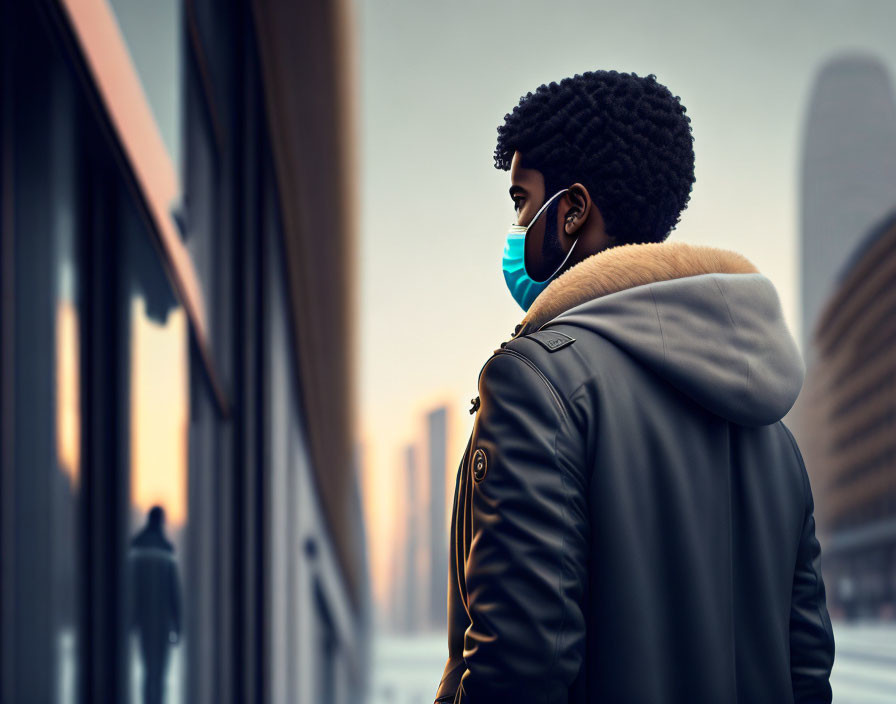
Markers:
point(480, 465)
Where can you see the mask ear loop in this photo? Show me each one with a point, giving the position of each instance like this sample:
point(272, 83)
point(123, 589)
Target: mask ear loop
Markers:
point(531, 223)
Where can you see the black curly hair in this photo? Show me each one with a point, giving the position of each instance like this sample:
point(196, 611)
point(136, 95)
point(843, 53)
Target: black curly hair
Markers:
point(625, 137)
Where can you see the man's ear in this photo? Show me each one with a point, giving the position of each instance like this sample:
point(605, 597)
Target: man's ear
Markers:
point(579, 210)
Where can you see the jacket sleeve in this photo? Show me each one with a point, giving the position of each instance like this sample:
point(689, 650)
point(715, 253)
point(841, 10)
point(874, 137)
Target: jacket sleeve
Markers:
point(526, 570)
point(811, 635)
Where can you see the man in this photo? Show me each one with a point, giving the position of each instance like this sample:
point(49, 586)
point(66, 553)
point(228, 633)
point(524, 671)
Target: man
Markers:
point(155, 601)
point(632, 520)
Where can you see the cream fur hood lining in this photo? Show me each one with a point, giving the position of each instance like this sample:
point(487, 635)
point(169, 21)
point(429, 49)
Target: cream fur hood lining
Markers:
point(702, 318)
point(625, 266)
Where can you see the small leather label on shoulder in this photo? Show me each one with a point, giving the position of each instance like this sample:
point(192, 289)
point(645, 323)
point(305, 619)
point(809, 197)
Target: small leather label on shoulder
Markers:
point(551, 340)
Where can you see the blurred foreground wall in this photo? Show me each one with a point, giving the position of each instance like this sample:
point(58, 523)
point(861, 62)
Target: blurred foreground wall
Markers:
point(180, 336)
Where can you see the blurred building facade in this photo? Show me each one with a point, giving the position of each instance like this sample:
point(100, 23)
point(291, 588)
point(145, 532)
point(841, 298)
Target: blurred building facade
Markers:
point(847, 424)
point(181, 335)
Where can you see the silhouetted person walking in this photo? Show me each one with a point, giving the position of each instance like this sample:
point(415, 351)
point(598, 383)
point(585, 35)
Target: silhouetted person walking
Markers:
point(155, 602)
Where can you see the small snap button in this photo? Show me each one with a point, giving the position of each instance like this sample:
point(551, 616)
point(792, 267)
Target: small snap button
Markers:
point(480, 465)
point(475, 406)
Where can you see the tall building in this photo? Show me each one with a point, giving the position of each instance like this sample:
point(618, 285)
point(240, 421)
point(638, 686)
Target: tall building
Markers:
point(175, 332)
point(436, 448)
point(412, 568)
point(847, 429)
point(847, 173)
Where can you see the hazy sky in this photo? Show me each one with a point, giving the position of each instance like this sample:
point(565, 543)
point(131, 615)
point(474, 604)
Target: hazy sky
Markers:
point(437, 79)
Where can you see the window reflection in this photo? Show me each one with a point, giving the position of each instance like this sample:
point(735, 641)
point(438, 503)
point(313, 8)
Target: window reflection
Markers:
point(158, 402)
point(152, 32)
point(41, 526)
point(68, 388)
point(68, 462)
point(159, 418)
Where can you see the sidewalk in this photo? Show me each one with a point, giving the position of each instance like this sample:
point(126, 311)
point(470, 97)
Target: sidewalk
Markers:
point(864, 663)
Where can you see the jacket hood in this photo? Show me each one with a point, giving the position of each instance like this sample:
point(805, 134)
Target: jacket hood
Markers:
point(701, 317)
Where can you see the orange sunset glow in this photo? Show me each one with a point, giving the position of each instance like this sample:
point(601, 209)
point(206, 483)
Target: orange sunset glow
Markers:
point(68, 391)
point(159, 412)
point(384, 481)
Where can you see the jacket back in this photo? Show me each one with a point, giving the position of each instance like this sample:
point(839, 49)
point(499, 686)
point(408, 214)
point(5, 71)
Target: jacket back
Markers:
point(633, 522)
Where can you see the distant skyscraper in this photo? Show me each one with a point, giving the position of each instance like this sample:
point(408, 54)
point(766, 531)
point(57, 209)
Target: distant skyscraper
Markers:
point(848, 172)
point(437, 431)
point(411, 620)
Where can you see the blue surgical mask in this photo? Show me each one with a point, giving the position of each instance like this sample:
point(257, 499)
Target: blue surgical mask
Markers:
point(523, 287)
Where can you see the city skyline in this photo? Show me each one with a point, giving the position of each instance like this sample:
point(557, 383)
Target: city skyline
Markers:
point(419, 549)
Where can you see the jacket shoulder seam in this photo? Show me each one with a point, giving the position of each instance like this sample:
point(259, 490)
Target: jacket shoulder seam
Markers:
point(565, 398)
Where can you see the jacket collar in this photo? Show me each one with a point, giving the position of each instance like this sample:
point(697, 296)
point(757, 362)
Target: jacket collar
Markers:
point(626, 266)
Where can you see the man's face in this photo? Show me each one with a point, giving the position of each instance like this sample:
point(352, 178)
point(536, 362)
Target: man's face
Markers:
point(544, 250)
